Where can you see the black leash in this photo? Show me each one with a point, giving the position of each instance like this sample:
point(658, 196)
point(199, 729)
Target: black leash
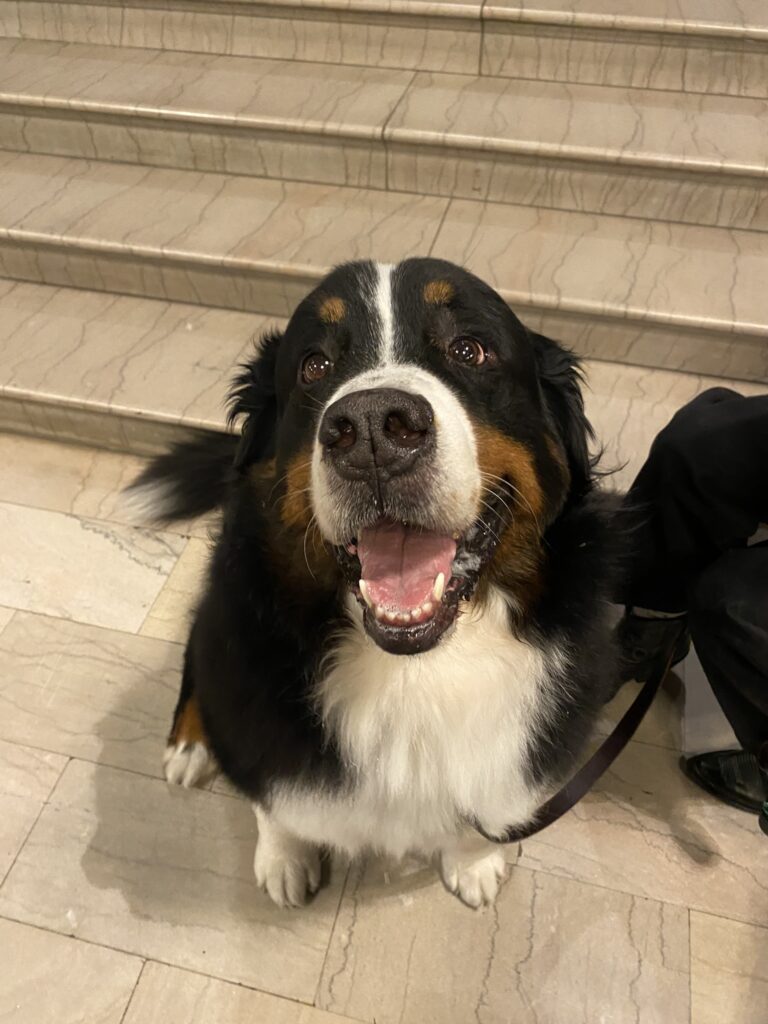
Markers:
point(590, 772)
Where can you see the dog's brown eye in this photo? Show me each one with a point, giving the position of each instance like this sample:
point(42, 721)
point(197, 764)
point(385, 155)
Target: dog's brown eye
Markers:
point(315, 367)
point(467, 352)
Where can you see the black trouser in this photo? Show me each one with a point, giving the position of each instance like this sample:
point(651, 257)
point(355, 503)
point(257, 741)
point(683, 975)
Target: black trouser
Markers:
point(701, 494)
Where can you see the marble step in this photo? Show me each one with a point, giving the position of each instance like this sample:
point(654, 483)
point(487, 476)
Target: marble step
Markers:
point(699, 46)
point(115, 371)
point(710, 46)
point(433, 35)
point(622, 289)
point(270, 118)
point(628, 152)
point(132, 374)
point(660, 155)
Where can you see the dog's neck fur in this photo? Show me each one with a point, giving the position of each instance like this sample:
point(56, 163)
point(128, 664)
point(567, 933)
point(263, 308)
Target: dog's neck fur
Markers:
point(434, 738)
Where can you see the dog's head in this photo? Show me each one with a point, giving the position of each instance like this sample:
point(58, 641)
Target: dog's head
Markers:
point(427, 435)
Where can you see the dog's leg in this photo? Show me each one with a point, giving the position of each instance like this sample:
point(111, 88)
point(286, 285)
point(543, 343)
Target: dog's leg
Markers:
point(473, 868)
point(286, 866)
point(187, 759)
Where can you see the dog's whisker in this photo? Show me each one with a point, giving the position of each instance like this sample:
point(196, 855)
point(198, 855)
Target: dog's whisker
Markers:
point(515, 493)
point(297, 469)
point(306, 532)
point(503, 502)
point(487, 478)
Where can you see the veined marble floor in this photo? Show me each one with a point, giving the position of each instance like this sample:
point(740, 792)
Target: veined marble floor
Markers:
point(122, 900)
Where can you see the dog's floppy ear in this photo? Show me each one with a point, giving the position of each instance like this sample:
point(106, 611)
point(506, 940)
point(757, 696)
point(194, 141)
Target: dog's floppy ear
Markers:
point(253, 396)
point(560, 378)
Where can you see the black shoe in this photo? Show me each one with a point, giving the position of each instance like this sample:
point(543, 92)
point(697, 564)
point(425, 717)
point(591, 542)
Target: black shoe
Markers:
point(733, 776)
point(644, 645)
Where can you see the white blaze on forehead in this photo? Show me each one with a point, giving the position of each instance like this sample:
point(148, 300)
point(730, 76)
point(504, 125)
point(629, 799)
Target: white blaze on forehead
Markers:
point(385, 310)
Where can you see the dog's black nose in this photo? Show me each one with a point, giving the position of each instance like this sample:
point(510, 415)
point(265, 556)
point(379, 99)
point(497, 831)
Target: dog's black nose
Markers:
point(380, 432)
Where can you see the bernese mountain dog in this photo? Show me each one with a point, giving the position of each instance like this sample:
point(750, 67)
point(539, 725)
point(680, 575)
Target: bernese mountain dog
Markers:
point(405, 626)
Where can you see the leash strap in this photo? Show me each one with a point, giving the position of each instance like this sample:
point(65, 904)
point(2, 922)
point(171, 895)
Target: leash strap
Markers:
point(590, 772)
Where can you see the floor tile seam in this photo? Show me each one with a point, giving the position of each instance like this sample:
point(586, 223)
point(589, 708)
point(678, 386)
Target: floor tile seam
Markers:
point(30, 830)
point(161, 594)
point(139, 976)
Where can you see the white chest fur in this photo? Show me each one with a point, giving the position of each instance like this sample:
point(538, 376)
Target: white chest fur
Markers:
point(429, 739)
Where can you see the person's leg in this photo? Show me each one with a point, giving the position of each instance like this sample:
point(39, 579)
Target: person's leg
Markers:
point(728, 620)
point(702, 491)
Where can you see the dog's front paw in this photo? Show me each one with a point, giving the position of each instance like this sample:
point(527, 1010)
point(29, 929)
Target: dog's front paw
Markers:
point(287, 867)
point(187, 764)
point(475, 882)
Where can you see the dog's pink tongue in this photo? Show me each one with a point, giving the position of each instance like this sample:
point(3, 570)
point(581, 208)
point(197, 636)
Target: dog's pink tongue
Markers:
point(400, 564)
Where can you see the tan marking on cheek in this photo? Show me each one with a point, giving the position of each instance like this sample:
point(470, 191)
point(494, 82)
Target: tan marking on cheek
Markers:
point(517, 560)
point(295, 548)
point(295, 506)
point(261, 471)
point(188, 727)
point(501, 456)
point(555, 449)
point(438, 293)
point(332, 310)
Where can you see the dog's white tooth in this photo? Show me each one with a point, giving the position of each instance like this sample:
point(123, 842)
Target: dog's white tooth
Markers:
point(404, 617)
point(391, 616)
point(415, 612)
point(364, 593)
point(427, 608)
point(379, 612)
point(438, 587)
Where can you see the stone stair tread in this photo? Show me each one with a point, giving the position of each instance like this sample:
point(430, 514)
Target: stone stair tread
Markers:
point(739, 18)
point(120, 355)
point(645, 127)
point(648, 271)
point(247, 92)
point(650, 128)
point(216, 219)
point(670, 274)
point(413, 8)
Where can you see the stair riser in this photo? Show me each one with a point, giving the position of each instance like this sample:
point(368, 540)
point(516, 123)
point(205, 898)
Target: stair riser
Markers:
point(709, 353)
point(430, 44)
point(697, 64)
point(640, 60)
point(292, 156)
point(246, 287)
point(608, 187)
point(605, 187)
point(100, 427)
point(272, 292)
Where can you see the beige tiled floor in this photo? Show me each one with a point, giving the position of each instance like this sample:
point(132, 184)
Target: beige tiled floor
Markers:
point(125, 902)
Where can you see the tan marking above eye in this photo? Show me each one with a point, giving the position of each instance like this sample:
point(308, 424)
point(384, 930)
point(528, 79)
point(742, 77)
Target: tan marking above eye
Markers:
point(332, 310)
point(438, 293)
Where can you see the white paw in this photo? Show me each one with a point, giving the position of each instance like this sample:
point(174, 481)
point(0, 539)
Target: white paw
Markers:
point(287, 867)
point(474, 882)
point(289, 876)
point(186, 764)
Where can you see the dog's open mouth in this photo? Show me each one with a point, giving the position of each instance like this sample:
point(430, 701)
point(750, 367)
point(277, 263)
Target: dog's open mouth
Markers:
point(411, 581)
